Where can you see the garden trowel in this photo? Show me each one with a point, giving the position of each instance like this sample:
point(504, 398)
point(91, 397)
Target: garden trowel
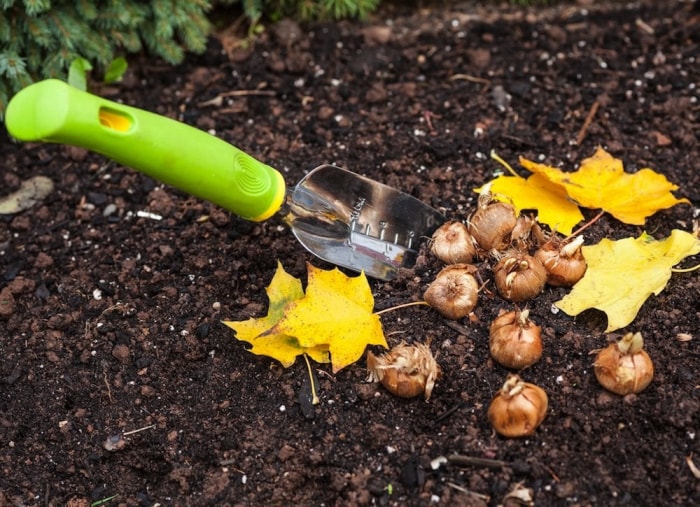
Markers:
point(337, 215)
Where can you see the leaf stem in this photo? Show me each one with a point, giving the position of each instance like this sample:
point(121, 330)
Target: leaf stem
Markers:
point(686, 270)
point(505, 164)
point(587, 225)
point(391, 308)
point(314, 396)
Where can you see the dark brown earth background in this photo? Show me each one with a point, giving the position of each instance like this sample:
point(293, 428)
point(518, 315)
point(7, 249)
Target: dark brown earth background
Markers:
point(112, 322)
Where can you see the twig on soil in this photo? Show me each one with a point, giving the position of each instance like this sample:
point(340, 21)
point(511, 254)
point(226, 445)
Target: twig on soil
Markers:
point(138, 430)
point(219, 99)
point(449, 412)
point(109, 389)
point(694, 469)
point(459, 459)
point(587, 122)
point(324, 373)
point(519, 140)
point(643, 26)
point(470, 78)
point(470, 493)
point(586, 225)
point(551, 472)
point(230, 461)
point(428, 115)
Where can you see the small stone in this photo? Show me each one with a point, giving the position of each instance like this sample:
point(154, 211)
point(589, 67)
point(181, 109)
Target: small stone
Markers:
point(377, 93)
point(376, 35)
point(43, 260)
point(121, 353)
point(286, 452)
point(7, 302)
point(148, 391)
point(109, 210)
point(365, 391)
point(325, 112)
point(565, 489)
point(114, 443)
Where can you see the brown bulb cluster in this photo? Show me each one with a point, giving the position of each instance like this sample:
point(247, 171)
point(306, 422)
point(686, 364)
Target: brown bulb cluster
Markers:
point(522, 258)
point(526, 257)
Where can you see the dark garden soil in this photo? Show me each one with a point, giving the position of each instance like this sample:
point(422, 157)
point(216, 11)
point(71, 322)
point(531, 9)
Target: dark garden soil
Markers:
point(112, 321)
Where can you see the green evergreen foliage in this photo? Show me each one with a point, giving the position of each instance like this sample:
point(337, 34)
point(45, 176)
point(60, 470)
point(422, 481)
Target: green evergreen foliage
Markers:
point(41, 38)
point(307, 10)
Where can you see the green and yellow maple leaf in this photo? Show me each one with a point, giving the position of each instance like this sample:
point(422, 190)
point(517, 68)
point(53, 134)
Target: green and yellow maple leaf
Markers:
point(336, 312)
point(283, 289)
point(622, 274)
point(331, 322)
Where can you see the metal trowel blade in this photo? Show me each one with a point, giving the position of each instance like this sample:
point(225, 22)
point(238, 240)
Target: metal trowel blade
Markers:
point(358, 223)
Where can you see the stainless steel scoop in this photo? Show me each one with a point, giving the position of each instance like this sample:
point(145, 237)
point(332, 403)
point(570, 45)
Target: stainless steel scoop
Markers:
point(340, 216)
point(359, 223)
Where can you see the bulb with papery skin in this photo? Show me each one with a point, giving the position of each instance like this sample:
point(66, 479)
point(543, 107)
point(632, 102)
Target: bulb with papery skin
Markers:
point(563, 261)
point(624, 367)
point(406, 370)
point(518, 408)
point(514, 340)
point(452, 244)
point(492, 223)
point(519, 277)
point(454, 292)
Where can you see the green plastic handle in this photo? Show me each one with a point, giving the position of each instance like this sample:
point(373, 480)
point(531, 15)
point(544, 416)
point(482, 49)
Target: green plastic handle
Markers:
point(167, 150)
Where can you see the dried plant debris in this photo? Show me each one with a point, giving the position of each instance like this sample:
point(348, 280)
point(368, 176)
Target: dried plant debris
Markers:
point(406, 370)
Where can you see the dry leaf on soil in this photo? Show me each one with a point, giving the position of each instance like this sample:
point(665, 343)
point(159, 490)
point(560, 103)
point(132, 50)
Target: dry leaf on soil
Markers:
point(622, 274)
point(602, 183)
point(554, 207)
point(333, 317)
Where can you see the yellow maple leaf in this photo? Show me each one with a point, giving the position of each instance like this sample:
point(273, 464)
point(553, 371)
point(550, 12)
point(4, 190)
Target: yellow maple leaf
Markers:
point(335, 312)
point(622, 274)
point(283, 289)
point(602, 183)
point(536, 192)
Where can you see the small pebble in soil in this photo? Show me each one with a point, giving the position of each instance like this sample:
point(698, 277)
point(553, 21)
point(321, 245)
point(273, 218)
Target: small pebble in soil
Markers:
point(121, 353)
point(114, 443)
point(110, 209)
